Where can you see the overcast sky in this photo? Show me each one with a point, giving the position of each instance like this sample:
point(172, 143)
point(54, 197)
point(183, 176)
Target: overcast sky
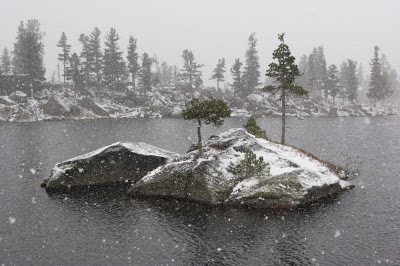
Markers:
point(217, 28)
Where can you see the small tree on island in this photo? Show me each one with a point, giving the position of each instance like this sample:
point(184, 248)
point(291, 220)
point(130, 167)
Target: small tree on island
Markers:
point(284, 72)
point(252, 127)
point(209, 111)
point(250, 166)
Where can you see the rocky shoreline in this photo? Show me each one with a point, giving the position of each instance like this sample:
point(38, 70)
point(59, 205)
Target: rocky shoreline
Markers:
point(48, 106)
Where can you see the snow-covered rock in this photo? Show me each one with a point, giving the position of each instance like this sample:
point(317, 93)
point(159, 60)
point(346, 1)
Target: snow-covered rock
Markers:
point(90, 105)
point(55, 106)
point(118, 163)
point(19, 97)
point(6, 100)
point(291, 179)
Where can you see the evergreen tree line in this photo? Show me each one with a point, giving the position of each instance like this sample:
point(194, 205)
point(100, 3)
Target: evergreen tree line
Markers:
point(102, 65)
point(344, 83)
point(27, 55)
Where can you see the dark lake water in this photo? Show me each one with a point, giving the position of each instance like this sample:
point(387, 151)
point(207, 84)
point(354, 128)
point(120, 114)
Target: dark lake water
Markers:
point(360, 227)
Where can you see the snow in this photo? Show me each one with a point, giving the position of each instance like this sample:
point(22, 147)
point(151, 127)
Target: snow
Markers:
point(282, 160)
point(140, 148)
point(324, 176)
point(246, 184)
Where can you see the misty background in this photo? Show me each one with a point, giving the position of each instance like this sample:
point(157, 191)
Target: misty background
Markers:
point(214, 29)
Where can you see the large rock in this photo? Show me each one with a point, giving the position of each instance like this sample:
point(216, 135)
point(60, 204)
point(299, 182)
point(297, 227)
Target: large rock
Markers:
point(115, 164)
point(90, 105)
point(19, 97)
point(6, 100)
point(292, 178)
point(55, 106)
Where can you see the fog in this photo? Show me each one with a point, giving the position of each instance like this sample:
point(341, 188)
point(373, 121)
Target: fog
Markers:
point(215, 29)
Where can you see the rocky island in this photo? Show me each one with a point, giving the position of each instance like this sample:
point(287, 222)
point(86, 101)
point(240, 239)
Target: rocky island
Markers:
point(235, 169)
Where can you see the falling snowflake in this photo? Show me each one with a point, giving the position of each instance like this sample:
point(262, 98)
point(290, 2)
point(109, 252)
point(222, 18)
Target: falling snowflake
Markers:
point(33, 171)
point(12, 220)
point(337, 233)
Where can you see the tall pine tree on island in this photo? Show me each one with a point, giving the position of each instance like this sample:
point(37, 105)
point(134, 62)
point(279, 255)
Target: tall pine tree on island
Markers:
point(132, 58)
point(237, 77)
point(284, 71)
point(63, 57)
point(5, 62)
point(218, 73)
point(251, 70)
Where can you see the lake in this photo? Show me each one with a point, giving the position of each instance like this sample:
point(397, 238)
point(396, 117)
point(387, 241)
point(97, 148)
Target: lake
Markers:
point(360, 227)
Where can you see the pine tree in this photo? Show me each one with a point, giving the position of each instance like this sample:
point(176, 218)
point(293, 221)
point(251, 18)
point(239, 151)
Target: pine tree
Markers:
point(285, 72)
point(343, 83)
point(86, 57)
point(58, 72)
point(145, 75)
point(252, 127)
point(360, 75)
point(388, 84)
point(352, 81)
point(313, 73)
point(53, 77)
point(5, 62)
point(322, 71)
point(251, 70)
point(176, 76)
point(376, 91)
point(114, 65)
point(75, 73)
point(210, 111)
point(190, 73)
point(132, 58)
point(63, 57)
point(237, 76)
point(29, 52)
point(96, 55)
point(303, 80)
point(219, 71)
point(155, 71)
point(166, 75)
point(317, 72)
point(332, 82)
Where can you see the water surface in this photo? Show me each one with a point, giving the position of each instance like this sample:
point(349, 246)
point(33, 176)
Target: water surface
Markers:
point(360, 227)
